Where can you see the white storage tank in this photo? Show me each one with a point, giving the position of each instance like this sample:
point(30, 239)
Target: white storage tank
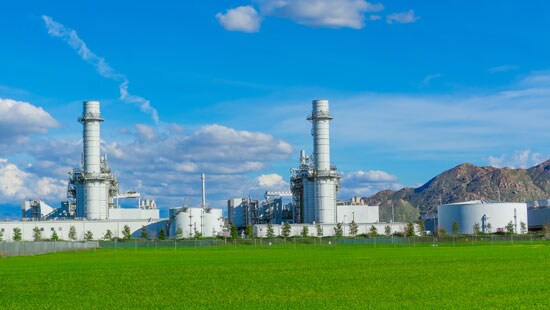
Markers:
point(208, 222)
point(491, 216)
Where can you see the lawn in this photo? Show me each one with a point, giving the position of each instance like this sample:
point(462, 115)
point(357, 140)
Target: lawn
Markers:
point(282, 277)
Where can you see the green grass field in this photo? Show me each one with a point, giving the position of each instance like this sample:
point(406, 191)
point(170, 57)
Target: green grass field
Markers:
point(305, 277)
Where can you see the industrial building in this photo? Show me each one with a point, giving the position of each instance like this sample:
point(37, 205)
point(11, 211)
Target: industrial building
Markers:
point(314, 186)
point(93, 202)
point(492, 217)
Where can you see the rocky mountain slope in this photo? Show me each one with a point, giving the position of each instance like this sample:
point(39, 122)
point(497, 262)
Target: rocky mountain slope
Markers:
point(462, 183)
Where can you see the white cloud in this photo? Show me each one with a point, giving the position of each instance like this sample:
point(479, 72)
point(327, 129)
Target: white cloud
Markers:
point(145, 132)
point(402, 18)
point(242, 18)
point(371, 176)
point(70, 36)
point(321, 13)
point(19, 120)
point(17, 184)
point(366, 183)
point(271, 180)
point(520, 159)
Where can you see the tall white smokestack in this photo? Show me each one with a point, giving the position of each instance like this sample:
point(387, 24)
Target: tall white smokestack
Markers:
point(203, 182)
point(325, 180)
point(93, 187)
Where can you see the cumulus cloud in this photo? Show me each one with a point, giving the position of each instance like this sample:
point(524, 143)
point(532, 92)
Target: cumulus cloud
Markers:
point(17, 184)
point(402, 18)
point(19, 120)
point(366, 183)
point(168, 167)
point(322, 13)
point(271, 180)
point(71, 37)
point(312, 13)
point(520, 159)
point(242, 18)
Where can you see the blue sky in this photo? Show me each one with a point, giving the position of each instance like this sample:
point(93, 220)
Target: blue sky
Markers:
point(416, 87)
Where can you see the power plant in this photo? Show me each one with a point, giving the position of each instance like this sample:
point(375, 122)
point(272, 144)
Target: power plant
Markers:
point(92, 206)
point(310, 203)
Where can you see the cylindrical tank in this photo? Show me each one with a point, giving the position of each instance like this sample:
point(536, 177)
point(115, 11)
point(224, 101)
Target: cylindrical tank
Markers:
point(212, 222)
point(490, 216)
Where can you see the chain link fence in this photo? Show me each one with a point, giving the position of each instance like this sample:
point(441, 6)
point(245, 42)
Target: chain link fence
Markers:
point(380, 241)
point(26, 248)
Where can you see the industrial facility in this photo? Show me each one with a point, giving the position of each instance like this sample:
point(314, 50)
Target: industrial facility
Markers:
point(310, 204)
point(314, 186)
point(93, 208)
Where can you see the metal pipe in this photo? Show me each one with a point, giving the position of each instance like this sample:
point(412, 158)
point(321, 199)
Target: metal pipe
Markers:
point(203, 181)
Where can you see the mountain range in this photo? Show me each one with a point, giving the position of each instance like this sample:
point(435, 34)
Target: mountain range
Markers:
point(462, 183)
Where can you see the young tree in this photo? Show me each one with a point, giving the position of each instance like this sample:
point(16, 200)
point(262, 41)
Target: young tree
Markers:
point(353, 228)
point(55, 237)
point(286, 230)
point(477, 229)
point(510, 227)
point(442, 232)
point(456, 228)
point(108, 235)
point(270, 233)
point(373, 231)
point(387, 230)
point(162, 234)
point(304, 232)
point(127, 233)
point(197, 234)
point(17, 235)
point(234, 232)
point(144, 234)
point(409, 229)
point(36, 234)
point(72, 233)
point(179, 233)
point(523, 227)
point(249, 231)
point(421, 228)
point(319, 230)
point(338, 231)
point(88, 236)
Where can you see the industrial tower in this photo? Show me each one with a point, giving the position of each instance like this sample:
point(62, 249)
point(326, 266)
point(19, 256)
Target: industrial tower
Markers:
point(93, 187)
point(315, 182)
